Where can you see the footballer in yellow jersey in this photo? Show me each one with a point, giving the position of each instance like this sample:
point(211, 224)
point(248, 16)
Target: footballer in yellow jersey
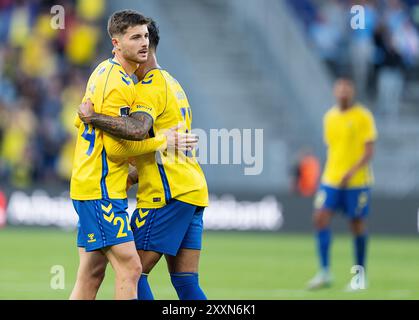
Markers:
point(345, 134)
point(98, 181)
point(94, 175)
point(172, 190)
point(349, 135)
point(166, 176)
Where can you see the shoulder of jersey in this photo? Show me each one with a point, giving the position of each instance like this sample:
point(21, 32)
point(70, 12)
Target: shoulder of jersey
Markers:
point(153, 77)
point(331, 111)
point(113, 70)
point(364, 110)
point(102, 68)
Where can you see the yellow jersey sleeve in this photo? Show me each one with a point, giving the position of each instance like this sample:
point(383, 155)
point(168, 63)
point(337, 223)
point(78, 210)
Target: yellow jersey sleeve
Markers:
point(127, 149)
point(151, 95)
point(91, 93)
point(95, 86)
point(369, 130)
point(77, 121)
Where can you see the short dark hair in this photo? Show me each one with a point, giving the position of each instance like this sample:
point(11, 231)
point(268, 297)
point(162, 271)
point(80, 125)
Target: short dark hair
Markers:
point(347, 79)
point(345, 75)
point(153, 33)
point(120, 21)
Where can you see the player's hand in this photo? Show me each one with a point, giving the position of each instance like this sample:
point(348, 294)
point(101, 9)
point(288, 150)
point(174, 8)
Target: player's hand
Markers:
point(86, 111)
point(132, 177)
point(129, 185)
point(345, 179)
point(180, 140)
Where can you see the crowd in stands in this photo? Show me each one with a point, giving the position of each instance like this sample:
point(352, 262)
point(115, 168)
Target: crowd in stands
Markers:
point(43, 69)
point(379, 57)
point(43, 73)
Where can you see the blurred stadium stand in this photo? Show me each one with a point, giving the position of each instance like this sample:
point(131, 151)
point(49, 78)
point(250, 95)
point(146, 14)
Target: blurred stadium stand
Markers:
point(244, 64)
point(43, 72)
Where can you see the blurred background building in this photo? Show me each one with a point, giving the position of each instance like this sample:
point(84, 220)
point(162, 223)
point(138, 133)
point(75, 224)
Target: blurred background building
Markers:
point(244, 64)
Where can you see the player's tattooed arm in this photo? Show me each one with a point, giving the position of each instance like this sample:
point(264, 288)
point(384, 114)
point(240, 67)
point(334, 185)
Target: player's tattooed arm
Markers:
point(134, 127)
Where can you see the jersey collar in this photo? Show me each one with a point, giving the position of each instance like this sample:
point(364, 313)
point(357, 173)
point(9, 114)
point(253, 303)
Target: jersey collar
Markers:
point(111, 60)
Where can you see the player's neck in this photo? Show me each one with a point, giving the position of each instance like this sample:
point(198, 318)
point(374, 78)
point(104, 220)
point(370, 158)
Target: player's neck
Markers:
point(128, 66)
point(344, 106)
point(144, 68)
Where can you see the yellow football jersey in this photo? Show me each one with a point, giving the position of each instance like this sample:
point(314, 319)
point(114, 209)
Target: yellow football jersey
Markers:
point(94, 174)
point(345, 134)
point(162, 175)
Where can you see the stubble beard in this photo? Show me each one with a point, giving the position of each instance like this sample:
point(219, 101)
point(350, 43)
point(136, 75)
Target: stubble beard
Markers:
point(133, 58)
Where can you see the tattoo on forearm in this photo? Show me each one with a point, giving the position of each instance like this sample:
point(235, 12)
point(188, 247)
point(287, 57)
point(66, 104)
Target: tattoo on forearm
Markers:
point(134, 127)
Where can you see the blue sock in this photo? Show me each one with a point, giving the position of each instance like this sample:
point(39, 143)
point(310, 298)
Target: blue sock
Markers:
point(144, 290)
point(323, 244)
point(187, 286)
point(360, 244)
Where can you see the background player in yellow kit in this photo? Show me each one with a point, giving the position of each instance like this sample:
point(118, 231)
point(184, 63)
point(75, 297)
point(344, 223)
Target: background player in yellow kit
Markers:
point(349, 134)
point(172, 192)
point(98, 182)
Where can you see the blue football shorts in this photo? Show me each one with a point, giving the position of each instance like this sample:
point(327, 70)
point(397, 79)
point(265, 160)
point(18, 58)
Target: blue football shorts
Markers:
point(353, 203)
point(102, 223)
point(166, 230)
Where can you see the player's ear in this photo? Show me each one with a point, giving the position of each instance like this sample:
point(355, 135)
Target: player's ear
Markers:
point(116, 44)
